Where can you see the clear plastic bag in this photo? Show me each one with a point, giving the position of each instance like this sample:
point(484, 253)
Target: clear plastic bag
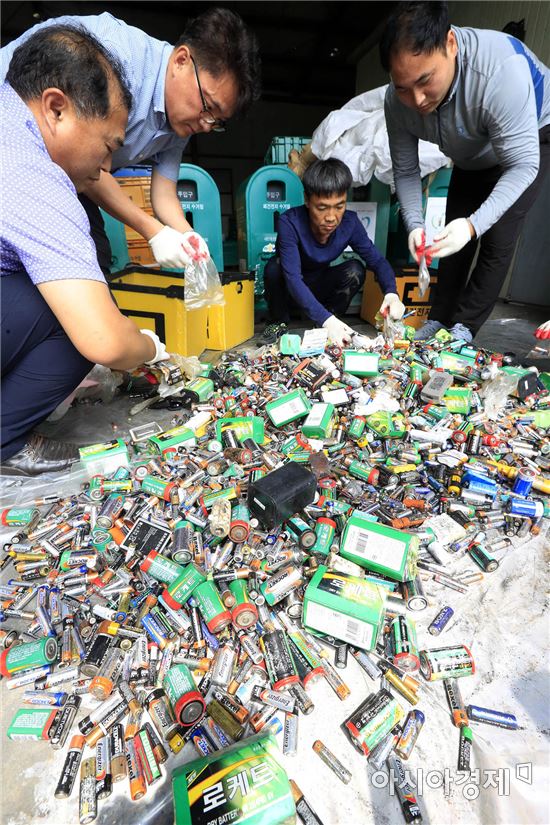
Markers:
point(495, 392)
point(203, 287)
point(423, 277)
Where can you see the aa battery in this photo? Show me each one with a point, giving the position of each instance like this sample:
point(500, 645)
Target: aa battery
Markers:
point(64, 721)
point(456, 705)
point(411, 729)
point(44, 698)
point(161, 713)
point(465, 749)
point(404, 646)
point(303, 808)
point(303, 701)
point(87, 804)
point(446, 662)
point(341, 656)
point(146, 756)
point(332, 762)
point(70, 768)
point(277, 699)
point(117, 753)
point(89, 722)
point(487, 716)
point(404, 792)
point(136, 776)
point(290, 734)
point(276, 588)
point(440, 621)
point(278, 659)
point(365, 662)
point(104, 779)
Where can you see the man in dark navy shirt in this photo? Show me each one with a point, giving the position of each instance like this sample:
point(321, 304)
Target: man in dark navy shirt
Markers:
point(309, 239)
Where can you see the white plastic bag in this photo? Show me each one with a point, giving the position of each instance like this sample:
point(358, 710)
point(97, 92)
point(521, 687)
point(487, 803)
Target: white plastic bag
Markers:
point(423, 277)
point(202, 285)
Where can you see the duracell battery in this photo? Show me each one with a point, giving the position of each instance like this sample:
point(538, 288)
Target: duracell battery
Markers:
point(64, 721)
point(117, 753)
point(103, 727)
point(70, 768)
point(99, 647)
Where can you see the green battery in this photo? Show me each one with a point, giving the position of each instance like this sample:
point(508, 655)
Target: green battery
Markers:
point(31, 723)
point(404, 644)
point(161, 568)
point(372, 720)
point(387, 424)
point(458, 400)
point(239, 528)
point(157, 487)
point(302, 532)
point(446, 663)
point(301, 457)
point(171, 440)
point(244, 613)
point(438, 413)
point(344, 606)
point(144, 751)
point(186, 700)
point(208, 500)
point(320, 421)
point(203, 387)
point(211, 607)
point(380, 549)
point(28, 656)
point(324, 534)
point(101, 539)
point(362, 471)
point(18, 516)
point(293, 444)
point(243, 427)
point(363, 364)
point(178, 591)
point(288, 407)
point(244, 784)
point(104, 459)
point(357, 426)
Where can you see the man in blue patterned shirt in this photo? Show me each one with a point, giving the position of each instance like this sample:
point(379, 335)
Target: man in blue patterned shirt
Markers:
point(64, 108)
point(211, 74)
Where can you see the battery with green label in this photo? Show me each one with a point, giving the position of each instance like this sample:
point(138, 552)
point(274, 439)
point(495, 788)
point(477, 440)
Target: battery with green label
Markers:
point(160, 567)
point(171, 440)
point(363, 364)
point(458, 400)
point(243, 427)
point(32, 723)
point(18, 516)
point(372, 720)
point(178, 591)
point(320, 421)
point(324, 534)
point(203, 387)
point(103, 459)
point(380, 549)
point(344, 606)
point(28, 656)
point(158, 487)
point(288, 407)
point(387, 424)
point(244, 784)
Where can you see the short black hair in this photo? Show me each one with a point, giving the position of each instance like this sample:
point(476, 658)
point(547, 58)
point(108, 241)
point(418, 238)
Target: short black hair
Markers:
point(420, 28)
point(221, 43)
point(327, 177)
point(73, 60)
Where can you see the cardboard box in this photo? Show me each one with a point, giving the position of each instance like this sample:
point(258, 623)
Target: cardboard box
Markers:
point(406, 279)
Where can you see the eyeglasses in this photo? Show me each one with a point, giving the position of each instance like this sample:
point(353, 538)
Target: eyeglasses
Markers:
point(217, 124)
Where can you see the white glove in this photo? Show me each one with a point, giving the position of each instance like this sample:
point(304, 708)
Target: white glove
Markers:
point(160, 348)
point(195, 246)
point(417, 243)
point(168, 248)
point(543, 331)
point(451, 239)
point(338, 332)
point(392, 304)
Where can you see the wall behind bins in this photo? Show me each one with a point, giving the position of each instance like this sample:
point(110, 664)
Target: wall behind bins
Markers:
point(487, 15)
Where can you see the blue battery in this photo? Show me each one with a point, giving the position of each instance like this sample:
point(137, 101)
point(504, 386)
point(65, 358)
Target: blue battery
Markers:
point(440, 620)
point(153, 629)
point(523, 482)
point(525, 507)
point(492, 717)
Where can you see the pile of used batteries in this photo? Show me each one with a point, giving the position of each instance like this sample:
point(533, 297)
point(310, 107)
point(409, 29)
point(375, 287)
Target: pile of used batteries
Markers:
point(196, 584)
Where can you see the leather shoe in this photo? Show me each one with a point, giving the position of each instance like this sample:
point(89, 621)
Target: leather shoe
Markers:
point(40, 455)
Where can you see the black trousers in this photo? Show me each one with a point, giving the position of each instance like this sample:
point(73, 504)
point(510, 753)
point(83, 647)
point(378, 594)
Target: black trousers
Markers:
point(333, 286)
point(97, 231)
point(40, 365)
point(470, 302)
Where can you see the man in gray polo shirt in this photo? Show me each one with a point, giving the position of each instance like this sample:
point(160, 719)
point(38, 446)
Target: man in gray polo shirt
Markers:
point(484, 98)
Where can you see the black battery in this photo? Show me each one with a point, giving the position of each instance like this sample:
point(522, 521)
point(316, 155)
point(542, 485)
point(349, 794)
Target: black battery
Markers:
point(281, 493)
point(278, 658)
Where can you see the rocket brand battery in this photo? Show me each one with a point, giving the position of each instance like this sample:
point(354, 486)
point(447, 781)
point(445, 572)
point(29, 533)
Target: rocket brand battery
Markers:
point(161, 568)
point(465, 749)
point(87, 803)
point(171, 440)
point(158, 487)
point(492, 717)
point(441, 620)
point(446, 663)
point(288, 407)
point(379, 548)
point(357, 427)
point(204, 789)
point(244, 613)
point(325, 529)
point(28, 656)
point(212, 609)
point(332, 762)
point(117, 754)
point(18, 516)
point(177, 593)
point(320, 421)
point(144, 751)
point(482, 558)
point(301, 530)
point(280, 585)
point(373, 720)
point(404, 645)
point(344, 606)
point(186, 700)
point(239, 528)
point(411, 729)
point(278, 659)
point(32, 723)
point(363, 364)
point(362, 471)
point(70, 768)
point(456, 705)
point(208, 500)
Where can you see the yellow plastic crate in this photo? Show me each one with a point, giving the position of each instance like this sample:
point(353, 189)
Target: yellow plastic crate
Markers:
point(232, 323)
point(155, 301)
point(406, 280)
